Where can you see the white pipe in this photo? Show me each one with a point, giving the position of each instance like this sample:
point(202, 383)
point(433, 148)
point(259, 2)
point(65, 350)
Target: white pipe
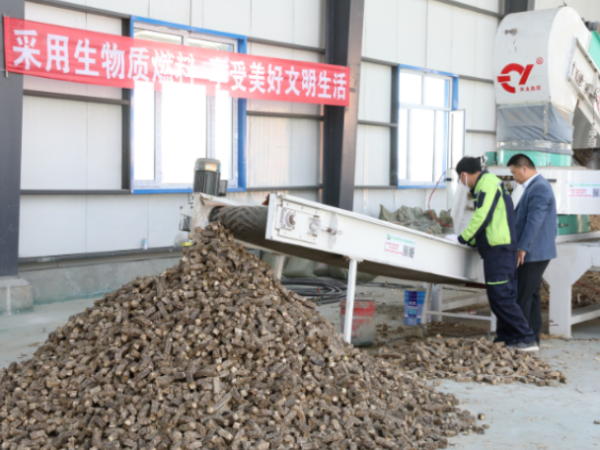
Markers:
point(350, 301)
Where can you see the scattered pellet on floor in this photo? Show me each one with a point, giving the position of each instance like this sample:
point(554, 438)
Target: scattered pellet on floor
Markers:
point(465, 360)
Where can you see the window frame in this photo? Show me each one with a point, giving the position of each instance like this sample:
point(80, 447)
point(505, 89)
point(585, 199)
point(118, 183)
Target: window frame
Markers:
point(452, 106)
point(239, 107)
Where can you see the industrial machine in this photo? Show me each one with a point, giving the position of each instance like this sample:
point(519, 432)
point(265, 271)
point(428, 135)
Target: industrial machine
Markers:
point(547, 87)
point(547, 90)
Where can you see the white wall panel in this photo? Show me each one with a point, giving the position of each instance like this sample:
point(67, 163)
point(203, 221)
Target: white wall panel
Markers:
point(102, 24)
point(55, 16)
point(256, 198)
point(372, 156)
point(52, 225)
point(270, 51)
point(381, 23)
point(302, 55)
point(282, 152)
point(163, 219)
point(273, 20)
point(72, 19)
point(197, 13)
point(368, 201)
point(412, 32)
point(66, 87)
point(253, 198)
point(116, 222)
point(479, 102)
point(375, 93)
point(439, 36)
point(54, 144)
point(104, 91)
point(233, 16)
point(490, 5)
point(478, 144)
point(464, 37)
point(594, 12)
point(57, 86)
point(71, 145)
point(410, 197)
point(309, 18)
point(176, 11)
point(362, 94)
point(486, 35)
point(104, 146)
point(133, 7)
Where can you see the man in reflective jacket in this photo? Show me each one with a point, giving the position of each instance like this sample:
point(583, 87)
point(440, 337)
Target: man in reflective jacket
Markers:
point(492, 231)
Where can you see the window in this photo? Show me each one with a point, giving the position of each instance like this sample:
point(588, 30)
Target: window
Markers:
point(426, 101)
point(174, 126)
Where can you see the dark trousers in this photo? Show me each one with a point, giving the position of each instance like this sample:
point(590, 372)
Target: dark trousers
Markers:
point(500, 268)
point(528, 294)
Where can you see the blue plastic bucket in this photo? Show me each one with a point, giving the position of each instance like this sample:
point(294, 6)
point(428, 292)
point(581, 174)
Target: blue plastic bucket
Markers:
point(413, 306)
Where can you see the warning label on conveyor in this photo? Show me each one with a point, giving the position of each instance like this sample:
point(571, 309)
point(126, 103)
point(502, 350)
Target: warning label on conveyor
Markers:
point(399, 246)
point(584, 190)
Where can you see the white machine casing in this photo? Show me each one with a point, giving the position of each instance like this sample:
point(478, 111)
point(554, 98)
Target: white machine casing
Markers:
point(541, 42)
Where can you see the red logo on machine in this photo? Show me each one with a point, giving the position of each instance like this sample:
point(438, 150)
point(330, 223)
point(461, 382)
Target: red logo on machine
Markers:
point(504, 78)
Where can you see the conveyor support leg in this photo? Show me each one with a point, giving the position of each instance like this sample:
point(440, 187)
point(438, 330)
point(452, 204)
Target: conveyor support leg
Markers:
point(278, 266)
point(560, 307)
point(350, 300)
point(436, 302)
point(426, 308)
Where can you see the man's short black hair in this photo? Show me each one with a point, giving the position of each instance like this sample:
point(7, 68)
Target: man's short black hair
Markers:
point(469, 164)
point(519, 160)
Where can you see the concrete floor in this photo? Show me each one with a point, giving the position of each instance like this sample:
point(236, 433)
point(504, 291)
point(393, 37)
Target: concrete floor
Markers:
point(520, 416)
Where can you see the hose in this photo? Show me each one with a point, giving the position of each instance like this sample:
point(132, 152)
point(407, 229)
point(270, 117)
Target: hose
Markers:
point(328, 291)
point(429, 204)
point(322, 291)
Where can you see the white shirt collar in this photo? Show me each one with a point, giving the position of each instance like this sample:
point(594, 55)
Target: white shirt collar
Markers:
point(528, 182)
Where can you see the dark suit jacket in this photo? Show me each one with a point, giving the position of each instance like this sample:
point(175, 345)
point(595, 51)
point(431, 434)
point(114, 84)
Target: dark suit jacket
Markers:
point(536, 224)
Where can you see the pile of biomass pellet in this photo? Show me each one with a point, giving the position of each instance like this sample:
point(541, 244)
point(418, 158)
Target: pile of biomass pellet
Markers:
point(467, 360)
point(214, 354)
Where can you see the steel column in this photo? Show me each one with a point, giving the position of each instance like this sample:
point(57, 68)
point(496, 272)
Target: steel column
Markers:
point(343, 46)
point(126, 173)
point(11, 125)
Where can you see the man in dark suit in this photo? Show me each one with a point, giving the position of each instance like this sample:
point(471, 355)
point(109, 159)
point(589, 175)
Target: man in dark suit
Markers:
point(535, 217)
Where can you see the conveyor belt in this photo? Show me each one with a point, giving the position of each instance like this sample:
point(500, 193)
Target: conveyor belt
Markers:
point(249, 223)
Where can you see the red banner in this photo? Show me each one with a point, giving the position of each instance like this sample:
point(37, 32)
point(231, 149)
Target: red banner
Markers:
point(82, 56)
